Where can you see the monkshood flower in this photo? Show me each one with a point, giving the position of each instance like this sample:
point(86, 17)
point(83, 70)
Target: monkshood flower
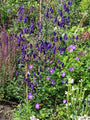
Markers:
point(54, 34)
point(65, 36)
point(58, 10)
point(58, 61)
point(67, 19)
point(15, 35)
point(37, 106)
point(55, 19)
point(21, 8)
point(30, 96)
point(76, 37)
point(52, 82)
point(77, 58)
point(54, 49)
point(63, 74)
point(16, 73)
point(51, 9)
point(32, 27)
point(64, 101)
point(69, 2)
point(20, 19)
point(64, 6)
point(64, 82)
point(47, 13)
point(71, 68)
point(61, 14)
point(48, 78)
point(67, 9)
point(60, 38)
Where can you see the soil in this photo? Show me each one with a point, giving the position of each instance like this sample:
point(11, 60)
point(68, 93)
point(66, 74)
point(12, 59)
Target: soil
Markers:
point(6, 110)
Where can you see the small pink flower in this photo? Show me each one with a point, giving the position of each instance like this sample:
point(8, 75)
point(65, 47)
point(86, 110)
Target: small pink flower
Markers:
point(77, 58)
point(51, 61)
point(63, 74)
point(30, 66)
point(37, 106)
point(30, 96)
point(64, 101)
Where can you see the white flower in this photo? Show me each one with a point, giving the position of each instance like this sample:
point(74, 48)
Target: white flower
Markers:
point(71, 80)
point(33, 118)
point(66, 92)
point(55, 28)
point(73, 89)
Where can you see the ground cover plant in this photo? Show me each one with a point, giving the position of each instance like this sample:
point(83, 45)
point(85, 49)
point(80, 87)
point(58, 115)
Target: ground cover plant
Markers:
point(52, 74)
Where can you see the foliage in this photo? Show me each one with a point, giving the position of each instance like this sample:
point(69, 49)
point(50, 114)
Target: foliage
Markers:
point(49, 58)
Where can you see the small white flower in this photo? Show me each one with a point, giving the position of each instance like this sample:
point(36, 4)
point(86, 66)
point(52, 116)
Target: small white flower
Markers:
point(85, 88)
point(71, 80)
point(66, 92)
point(73, 89)
point(55, 28)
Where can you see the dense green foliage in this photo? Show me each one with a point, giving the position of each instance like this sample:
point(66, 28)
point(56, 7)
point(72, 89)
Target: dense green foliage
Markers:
point(49, 56)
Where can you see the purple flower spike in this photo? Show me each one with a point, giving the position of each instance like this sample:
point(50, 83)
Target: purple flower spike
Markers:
point(37, 106)
point(52, 82)
point(48, 78)
point(20, 19)
point(64, 101)
point(71, 68)
point(30, 96)
point(63, 74)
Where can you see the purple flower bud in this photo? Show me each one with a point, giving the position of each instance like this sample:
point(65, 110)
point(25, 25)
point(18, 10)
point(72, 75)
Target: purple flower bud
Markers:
point(15, 35)
point(76, 37)
point(20, 19)
point(54, 34)
point(69, 2)
point(16, 73)
point(61, 14)
point(55, 19)
point(31, 46)
point(21, 8)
